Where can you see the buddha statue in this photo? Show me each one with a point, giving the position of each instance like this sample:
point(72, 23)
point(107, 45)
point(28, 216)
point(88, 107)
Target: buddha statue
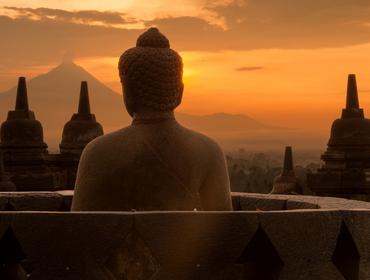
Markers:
point(155, 163)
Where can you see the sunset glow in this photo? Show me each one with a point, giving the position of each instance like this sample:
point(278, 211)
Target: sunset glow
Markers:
point(293, 83)
point(276, 89)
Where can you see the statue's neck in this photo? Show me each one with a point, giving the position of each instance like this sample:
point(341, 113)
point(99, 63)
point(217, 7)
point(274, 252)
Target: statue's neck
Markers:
point(148, 115)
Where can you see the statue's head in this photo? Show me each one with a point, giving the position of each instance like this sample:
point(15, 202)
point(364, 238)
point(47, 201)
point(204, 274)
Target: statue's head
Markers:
point(151, 74)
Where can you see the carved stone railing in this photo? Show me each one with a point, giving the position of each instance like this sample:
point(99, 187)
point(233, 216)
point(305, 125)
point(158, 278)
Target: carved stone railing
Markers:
point(36, 201)
point(270, 243)
point(273, 202)
point(61, 201)
point(297, 244)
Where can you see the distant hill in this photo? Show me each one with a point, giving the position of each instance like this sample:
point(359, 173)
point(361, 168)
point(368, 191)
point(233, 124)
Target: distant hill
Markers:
point(54, 98)
point(221, 122)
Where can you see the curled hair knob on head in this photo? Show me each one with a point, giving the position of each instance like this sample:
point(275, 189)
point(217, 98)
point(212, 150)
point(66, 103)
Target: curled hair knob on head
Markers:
point(152, 38)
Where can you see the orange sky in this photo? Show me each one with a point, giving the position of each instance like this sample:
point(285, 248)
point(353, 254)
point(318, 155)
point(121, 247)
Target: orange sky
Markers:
point(289, 74)
point(292, 88)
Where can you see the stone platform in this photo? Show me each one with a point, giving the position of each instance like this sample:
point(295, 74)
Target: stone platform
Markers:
point(269, 237)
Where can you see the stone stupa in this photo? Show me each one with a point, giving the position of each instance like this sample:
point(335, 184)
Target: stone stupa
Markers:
point(22, 132)
point(287, 182)
point(77, 133)
point(347, 158)
point(22, 143)
point(82, 128)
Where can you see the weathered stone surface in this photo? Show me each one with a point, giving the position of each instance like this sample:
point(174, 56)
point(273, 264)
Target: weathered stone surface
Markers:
point(251, 201)
point(61, 201)
point(260, 259)
point(357, 223)
point(31, 201)
point(346, 257)
point(262, 204)
point(133, 259)
point(5, 183)
point(11, 257)
point(236, 202)
point(68, 246)
point(197, 245)
point(67, 199)
point(258, 202)
point(292, 204)
point(184, 245)
point(309, 243)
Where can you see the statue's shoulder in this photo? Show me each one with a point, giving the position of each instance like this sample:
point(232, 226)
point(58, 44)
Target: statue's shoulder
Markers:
point(107, 144)
point(205, 144)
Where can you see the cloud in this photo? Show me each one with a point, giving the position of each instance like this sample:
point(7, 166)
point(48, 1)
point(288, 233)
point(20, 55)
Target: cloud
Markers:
point(33, 42)
point(249, 68)
point(268, 24)
point(190, 33)
point(85, 16)
point(43, 35)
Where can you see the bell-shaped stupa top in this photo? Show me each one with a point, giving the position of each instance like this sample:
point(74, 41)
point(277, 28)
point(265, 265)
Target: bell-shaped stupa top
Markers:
point(84, 103)
point(286, 182)
point(82, 128)
point(21, 103)
point(352, 109)
point(288, 162)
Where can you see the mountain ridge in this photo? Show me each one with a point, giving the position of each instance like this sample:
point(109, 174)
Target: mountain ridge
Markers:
point(53, 96)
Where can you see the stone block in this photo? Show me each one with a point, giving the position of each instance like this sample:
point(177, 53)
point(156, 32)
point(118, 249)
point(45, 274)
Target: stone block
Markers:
point(305, 242)
point(196, 245)
point(69, 245)
point(30, 201)
point(357, 223)
point(262, 203)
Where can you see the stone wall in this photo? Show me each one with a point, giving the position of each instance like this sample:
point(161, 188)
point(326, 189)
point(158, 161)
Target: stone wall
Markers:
point(36, 201)
point(296, 244)
point(329, 242)
point(273, 202)
point(61, 201)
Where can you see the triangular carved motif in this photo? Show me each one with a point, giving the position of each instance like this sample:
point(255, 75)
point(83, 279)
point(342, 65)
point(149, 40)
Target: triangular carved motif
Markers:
point(346, 256)
point(132, 260)
point(260, 259)
point(11, 255)
point(9, 207)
